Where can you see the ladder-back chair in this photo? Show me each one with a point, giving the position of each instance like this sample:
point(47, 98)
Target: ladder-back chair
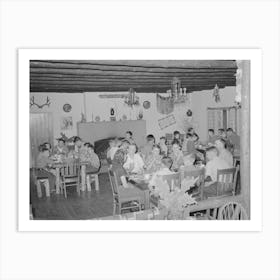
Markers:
point(70, 176)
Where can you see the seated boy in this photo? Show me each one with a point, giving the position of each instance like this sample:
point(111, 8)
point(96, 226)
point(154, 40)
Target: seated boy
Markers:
point(177, 157)
point(147, 149)
point(211, 137)
point(128, 137)
point(163, 147)
point(224, 153)
point(176, 137)
point(212, 166)
point(166, 164)
point(43, 164)
point(134, 162)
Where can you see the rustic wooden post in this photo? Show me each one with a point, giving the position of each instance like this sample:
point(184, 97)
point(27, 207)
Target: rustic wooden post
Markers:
point(245, 135)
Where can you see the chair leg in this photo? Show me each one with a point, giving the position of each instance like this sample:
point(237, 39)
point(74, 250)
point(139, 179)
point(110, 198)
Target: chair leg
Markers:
point(47, 188)
point(39, 189)
point(88, 183)
point(96, 180)
point(65, 193)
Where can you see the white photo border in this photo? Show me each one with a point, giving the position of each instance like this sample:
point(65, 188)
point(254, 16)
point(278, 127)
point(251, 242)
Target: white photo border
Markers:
point(254, 55)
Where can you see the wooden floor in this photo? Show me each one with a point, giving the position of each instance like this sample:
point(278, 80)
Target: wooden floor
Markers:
point(88, 205)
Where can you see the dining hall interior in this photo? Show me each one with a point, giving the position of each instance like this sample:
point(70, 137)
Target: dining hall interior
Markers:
point(139, 139)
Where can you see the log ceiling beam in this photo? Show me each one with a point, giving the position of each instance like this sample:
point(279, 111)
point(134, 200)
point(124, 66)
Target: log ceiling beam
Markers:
point(120, 75)
point(163, 64)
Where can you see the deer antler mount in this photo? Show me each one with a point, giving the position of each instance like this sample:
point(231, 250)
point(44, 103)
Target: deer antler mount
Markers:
point(32, 102)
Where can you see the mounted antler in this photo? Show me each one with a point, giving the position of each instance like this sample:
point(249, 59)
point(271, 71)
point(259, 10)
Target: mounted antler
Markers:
point(32, 102)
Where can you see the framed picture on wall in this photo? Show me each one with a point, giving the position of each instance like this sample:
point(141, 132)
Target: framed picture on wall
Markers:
point(166, 121)
point(66, 123)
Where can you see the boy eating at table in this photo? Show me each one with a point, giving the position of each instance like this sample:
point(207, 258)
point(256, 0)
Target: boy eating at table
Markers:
point(43, 164)
point(166, 164)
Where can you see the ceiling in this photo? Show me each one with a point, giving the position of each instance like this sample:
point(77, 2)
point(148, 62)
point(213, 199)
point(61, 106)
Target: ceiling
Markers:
point(120, 75)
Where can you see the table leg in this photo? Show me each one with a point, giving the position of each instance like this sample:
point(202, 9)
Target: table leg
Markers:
point(57, 180)
point(83, 177)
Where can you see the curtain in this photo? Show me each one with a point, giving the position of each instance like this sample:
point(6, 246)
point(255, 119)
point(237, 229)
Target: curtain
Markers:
point(224, 118)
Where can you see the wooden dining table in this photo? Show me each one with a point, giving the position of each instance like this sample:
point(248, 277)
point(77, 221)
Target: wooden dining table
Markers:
point(140, 182)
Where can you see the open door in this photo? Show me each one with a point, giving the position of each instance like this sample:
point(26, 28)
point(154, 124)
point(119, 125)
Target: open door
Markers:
point(41, 130)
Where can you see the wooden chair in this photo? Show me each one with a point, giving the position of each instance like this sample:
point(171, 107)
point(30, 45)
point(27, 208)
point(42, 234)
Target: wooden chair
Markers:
point(39, 182)
point(70, 176)
point(225, 185)
point(191, 174)
point(232, 211)
point(92, 177)
point(173, 180)
point(226, 181)
point(122, 200)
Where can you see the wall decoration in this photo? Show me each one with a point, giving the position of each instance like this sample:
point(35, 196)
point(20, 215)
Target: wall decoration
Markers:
point(32, 102)
point(131, 99)
point(66, 123)
point(166, 121)
point(67, 108)
point(140, 115)
point(216, 94)
point(189, 113)
point(83, 117)
point(146, 105)
point(165, 105)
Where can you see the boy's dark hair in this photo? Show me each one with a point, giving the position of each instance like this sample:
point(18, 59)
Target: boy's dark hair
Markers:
point(195, 135)
point(176, 132)
point(47, 143)
point(90, 146)
point(211, 130)
point(87, 144)
point(150, 137)
point(61, 140)
point(167, 161)
point(176, 141)
point(124, 141)
point(44, 149)
point(129, 132)
point(189, 135)
point(230, 129)
point(221, 129)
point(76, 139)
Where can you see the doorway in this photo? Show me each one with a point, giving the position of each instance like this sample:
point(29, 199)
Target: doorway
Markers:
point(41, 131)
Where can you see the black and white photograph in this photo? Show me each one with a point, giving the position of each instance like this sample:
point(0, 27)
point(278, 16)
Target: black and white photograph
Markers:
point(139, 139)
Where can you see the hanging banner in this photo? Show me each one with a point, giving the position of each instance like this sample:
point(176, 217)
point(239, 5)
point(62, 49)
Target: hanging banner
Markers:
point(165, 105)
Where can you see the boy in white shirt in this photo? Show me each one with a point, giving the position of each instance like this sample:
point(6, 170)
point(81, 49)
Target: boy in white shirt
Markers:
point(224, 154)
point(134, 163)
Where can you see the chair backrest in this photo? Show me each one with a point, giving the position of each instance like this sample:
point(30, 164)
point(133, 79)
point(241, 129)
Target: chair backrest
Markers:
point(199, 172)
point(226, 179)
point(169, 138)
point(113, 181)
point(232, 211)
point(173, 180)
point(192, 174)
point(70, 169)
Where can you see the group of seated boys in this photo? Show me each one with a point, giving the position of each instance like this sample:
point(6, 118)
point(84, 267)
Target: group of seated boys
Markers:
point(48, 157)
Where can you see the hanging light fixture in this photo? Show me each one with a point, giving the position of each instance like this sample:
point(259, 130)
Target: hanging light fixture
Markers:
point(131, 99)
